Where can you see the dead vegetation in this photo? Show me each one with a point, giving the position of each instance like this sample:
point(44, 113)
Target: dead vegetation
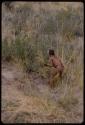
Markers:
point(27, 34)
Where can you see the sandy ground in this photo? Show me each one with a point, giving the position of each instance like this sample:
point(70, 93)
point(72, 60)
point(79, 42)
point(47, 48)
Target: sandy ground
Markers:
point(28, 98)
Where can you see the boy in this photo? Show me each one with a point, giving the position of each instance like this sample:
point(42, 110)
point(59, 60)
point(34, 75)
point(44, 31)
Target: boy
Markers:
point(57, 68)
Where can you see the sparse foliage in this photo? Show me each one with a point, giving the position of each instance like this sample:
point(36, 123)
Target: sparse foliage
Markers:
point(37, 30)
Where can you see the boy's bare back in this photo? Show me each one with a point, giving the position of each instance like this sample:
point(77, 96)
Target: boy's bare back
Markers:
point(56, 62)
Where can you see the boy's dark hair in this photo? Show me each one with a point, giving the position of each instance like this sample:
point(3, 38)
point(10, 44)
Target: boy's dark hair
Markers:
point(51, 52)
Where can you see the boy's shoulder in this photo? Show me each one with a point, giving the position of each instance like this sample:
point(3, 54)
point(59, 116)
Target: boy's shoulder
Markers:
point(56, 57)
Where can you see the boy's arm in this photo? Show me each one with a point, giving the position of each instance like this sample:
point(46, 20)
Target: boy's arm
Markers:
point(49, 63)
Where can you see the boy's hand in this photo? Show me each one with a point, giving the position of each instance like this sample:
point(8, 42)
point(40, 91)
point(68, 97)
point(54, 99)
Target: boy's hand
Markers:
point(45, 65)
point(48, 65)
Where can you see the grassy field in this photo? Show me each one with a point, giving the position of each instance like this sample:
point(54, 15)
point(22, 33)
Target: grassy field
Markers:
point(29, 30)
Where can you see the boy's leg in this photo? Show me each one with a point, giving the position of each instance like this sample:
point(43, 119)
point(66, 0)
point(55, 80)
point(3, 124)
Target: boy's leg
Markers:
point(55, 77)
point(52, 75)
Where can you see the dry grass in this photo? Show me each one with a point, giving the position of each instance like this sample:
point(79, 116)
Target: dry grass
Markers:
point(27, 34)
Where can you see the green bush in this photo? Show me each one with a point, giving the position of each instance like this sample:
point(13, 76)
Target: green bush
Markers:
point(48, 30)
point(7, 52)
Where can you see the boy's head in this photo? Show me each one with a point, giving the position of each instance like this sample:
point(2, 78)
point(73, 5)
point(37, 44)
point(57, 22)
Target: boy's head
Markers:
point(51, 52)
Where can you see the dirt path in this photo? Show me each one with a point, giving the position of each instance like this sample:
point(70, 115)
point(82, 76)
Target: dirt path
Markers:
point(30, 99)
point(13, 96)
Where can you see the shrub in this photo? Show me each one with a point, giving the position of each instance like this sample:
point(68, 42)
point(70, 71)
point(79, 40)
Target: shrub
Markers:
point(50, 32)
point(6, 51)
